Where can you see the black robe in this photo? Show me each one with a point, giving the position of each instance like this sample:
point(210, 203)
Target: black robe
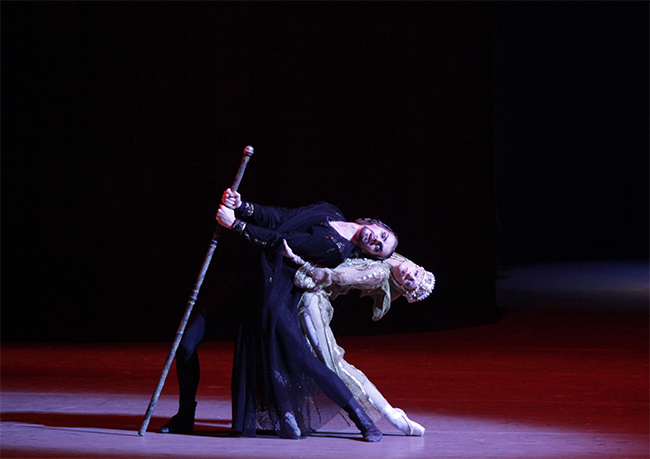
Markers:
point(277, 382)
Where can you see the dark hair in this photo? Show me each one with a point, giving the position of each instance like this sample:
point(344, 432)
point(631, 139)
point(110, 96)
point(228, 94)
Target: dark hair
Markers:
point(375, 221)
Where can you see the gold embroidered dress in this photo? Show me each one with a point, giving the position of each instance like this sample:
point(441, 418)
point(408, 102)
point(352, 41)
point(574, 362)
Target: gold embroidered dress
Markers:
point(322, 285)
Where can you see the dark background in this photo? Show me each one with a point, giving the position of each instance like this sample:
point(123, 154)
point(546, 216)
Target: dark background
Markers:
point(486, 134)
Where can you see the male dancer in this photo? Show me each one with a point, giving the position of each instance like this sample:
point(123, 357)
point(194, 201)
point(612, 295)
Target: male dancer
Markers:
point(277, 381)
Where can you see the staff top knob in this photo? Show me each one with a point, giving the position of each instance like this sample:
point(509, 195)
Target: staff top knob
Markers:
point(248, 151)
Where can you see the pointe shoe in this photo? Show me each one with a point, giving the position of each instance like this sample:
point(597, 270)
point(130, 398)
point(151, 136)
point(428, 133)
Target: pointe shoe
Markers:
point(400, 420)
point(368, 428)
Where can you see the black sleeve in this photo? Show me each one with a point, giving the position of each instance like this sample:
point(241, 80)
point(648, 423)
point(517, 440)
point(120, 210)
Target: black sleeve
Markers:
point(265, 216)
point(257, 236)
point(257, 223)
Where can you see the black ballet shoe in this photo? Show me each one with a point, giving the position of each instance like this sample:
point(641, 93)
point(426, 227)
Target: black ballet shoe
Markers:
point(182, 422)
point(368, 428)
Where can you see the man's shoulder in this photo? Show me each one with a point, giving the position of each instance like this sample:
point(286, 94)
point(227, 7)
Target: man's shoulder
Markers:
point(327, 208)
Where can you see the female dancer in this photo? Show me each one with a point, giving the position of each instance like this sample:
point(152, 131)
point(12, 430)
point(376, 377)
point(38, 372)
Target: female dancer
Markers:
point(384, 281)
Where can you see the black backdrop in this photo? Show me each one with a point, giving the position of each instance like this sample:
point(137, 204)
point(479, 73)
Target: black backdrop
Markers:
point(124, 122)
point(571, 130)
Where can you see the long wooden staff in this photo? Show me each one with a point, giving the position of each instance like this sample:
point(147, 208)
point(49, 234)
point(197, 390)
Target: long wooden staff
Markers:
point(248, 152)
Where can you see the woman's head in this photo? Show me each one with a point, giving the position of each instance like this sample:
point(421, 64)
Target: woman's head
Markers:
point(410, 279)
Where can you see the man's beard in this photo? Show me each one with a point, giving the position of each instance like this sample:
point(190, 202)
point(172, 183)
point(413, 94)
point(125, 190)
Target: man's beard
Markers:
point(365, 235)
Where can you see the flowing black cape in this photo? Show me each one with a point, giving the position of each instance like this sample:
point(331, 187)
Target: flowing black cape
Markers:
point(277, 382)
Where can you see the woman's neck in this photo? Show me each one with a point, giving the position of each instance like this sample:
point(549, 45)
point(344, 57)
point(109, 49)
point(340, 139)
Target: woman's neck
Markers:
point(392, 262)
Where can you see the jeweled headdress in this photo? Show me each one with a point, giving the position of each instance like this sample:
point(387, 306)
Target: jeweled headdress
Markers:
point(422, 290)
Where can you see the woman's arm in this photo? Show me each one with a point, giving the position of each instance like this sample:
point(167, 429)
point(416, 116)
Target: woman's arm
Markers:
point(359, 274)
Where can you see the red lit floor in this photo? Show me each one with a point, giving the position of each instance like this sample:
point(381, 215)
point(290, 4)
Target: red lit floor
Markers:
point(563, 375)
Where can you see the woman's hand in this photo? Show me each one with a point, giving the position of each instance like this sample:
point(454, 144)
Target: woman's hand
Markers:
point(231, 199)
point(287, 250)
point(295, 258)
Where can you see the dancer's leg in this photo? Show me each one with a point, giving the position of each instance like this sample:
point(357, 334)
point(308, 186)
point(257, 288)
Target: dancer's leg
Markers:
point(188, 372)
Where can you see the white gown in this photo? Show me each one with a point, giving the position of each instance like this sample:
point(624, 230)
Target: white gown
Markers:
point(322, 285)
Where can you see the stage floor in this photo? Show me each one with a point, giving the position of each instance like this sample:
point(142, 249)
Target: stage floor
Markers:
point(563, 375)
